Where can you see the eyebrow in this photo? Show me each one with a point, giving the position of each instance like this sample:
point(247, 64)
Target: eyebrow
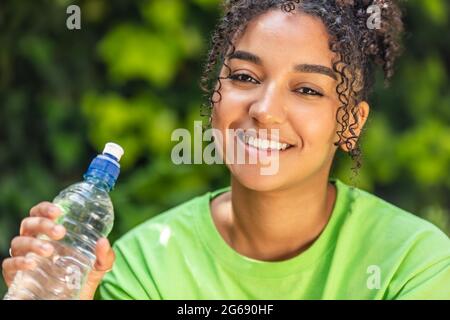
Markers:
point(304, 67)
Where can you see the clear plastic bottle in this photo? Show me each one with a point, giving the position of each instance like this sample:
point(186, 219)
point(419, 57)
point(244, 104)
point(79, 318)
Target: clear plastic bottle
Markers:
point(87, 216)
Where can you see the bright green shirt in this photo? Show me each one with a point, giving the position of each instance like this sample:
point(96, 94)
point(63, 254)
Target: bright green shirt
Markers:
point(369, 249)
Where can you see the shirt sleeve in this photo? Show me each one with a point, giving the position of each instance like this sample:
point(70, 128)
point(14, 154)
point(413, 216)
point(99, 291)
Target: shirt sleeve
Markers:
point(432, 283)
point(424, 273)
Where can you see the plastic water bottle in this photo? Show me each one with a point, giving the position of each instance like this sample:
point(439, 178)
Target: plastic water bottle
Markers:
point(87, 215)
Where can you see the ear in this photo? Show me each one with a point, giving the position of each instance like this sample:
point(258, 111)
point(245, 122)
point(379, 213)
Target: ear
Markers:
point(363, 113)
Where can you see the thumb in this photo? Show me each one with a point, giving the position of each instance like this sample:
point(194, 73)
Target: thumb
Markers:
point(105, 256)
point(104, 262)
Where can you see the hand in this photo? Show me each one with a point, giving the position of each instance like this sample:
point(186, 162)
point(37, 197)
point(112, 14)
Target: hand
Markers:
point(42, 221)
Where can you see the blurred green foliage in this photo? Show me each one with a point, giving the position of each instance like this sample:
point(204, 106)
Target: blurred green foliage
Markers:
point(131, 75)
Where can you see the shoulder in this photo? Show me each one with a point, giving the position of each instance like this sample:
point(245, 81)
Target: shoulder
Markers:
point(178, 220)
point(386, 221)
point(412, 253)
point(155, 247)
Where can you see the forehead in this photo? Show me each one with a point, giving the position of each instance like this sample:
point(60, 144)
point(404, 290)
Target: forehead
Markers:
point(295, 37)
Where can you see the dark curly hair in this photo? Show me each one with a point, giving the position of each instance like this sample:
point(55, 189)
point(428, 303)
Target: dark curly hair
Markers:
point(358, 49)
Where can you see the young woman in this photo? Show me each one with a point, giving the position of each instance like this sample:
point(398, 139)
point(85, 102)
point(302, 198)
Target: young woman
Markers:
point(304, 68)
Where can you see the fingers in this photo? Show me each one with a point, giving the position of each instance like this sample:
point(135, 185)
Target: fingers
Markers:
point(33, 226)
point(21, 245)
point(46, 210)
point(41, 221)
point(105, 255)
point(10, 266)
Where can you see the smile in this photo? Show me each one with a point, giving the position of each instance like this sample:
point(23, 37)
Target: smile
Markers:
point(262, 144)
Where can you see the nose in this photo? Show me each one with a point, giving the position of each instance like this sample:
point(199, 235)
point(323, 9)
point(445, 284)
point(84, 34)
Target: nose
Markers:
point(269, 108)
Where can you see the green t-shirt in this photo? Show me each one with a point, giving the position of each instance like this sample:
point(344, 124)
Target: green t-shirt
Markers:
point(370, 249)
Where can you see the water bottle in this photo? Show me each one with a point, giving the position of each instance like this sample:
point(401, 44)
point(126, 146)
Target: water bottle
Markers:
point(87, 215)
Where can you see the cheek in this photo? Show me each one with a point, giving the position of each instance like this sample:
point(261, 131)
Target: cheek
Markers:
point(233, 105)
point(316, 125)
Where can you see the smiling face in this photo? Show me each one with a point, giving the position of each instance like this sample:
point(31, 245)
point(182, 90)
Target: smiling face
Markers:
point(281, 78)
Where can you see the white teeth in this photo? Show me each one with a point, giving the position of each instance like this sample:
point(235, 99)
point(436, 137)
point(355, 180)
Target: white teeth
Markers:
point(264, 144)
point(274, 145)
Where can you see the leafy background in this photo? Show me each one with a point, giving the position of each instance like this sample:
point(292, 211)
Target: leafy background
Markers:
point(131, 75)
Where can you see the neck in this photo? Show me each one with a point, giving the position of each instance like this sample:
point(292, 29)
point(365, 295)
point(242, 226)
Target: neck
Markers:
point(99, 183)
point(276, 225)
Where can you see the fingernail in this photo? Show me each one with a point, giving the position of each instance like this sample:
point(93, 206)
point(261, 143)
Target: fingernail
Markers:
point(58, 229)
point(54, 210)
point(29, 261)
point(46, 247)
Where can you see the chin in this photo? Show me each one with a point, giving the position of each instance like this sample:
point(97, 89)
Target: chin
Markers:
point(250, 177)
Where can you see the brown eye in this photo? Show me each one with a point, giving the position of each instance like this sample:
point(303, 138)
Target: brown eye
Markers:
point(309, 92)
point(242, 77)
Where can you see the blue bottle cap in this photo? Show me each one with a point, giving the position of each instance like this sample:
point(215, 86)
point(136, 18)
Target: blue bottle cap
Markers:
point(106, 166)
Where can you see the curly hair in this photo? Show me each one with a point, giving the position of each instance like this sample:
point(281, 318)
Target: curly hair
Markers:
point(358, 50)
